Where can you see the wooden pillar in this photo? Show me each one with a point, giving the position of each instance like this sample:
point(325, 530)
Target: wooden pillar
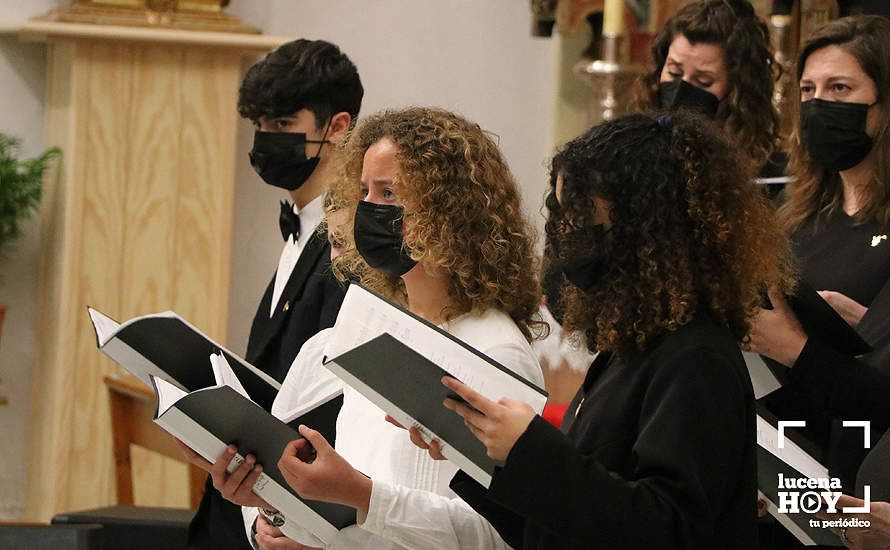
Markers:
point(139, 219)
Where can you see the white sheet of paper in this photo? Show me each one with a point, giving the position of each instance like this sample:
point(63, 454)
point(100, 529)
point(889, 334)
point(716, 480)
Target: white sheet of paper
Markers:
point(763, 379)
point(105, 326)
point(224, 375)
point(168, 394)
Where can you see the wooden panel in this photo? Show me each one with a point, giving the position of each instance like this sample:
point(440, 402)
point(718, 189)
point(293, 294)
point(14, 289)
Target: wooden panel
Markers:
point(205, 201)
point(109, 100)
point(147, 271)
point(72, 455)
point(159, 480)
point(140, 221)
point(236, 43)
point(138, 442)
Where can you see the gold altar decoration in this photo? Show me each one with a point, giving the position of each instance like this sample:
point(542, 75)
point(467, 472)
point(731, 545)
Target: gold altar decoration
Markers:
point(198, 15)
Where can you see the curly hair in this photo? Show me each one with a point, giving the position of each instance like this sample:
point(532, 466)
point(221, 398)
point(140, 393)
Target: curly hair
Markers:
point(462, 213)
point(747, 113)
point(817, 190)
point(689, 233)
point(310, 74)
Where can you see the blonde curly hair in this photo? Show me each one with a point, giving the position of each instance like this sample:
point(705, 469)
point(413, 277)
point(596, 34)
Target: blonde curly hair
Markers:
point(462, 213)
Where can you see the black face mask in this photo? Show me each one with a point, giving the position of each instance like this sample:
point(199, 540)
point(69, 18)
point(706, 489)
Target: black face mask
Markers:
point(834, 133)
point(585, 272)
point(378, 238)
point(280, 158)
point(679, 94)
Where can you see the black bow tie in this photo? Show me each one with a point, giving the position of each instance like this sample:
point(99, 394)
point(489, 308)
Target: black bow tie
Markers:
point(288, 221)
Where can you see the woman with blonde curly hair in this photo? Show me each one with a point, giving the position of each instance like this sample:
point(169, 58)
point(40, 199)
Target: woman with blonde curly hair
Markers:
point(433, 220)
point(667, 246)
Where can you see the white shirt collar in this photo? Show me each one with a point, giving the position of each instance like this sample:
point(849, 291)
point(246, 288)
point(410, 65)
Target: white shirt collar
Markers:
point(310, 215)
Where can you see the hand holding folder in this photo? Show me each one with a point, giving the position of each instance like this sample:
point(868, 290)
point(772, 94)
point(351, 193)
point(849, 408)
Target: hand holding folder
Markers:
point(804, 314)
point(316, 471)
point(232, 477)
point(497, 425)
point(397, 360)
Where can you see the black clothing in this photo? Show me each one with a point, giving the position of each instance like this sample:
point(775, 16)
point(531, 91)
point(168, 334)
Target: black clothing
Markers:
point(835, 383)
point(826, 386)
point(309, 303)
point(834, 254)
point(661, 455)
point(874, 471)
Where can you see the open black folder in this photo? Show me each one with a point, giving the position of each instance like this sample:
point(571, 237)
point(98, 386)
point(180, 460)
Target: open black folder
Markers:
point(819, 320)
point(166, 346)
point(208, 419)
point(408, 387)
point(397, 361)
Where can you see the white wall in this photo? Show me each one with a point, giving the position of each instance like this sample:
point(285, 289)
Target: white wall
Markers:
point(473, 56)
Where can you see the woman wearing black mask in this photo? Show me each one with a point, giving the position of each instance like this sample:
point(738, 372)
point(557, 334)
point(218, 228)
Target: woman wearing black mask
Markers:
point(714, 57)
point(437, 226)
point(666, 245)
point(838, 216)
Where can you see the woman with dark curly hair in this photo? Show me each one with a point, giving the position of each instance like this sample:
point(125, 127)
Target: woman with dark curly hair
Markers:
point(667, 246)
point(715, 56)
point(436, 224)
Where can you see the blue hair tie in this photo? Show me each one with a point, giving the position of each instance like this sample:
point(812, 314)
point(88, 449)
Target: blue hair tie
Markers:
point(665, 122)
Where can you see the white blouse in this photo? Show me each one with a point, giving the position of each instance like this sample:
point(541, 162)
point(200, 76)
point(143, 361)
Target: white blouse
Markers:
point(411, 504)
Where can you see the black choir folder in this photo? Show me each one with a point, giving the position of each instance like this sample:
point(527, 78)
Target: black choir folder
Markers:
point(166, 346)
point(208, 406)
point(793, 461)
point(208, 419)
point(819, 320)
point(397, 360)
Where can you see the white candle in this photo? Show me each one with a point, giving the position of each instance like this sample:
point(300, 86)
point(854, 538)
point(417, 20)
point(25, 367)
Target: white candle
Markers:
point(613, 17)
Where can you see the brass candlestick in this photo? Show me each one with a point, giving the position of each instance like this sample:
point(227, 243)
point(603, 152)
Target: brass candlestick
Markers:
point(610, 78)
point(781, 29)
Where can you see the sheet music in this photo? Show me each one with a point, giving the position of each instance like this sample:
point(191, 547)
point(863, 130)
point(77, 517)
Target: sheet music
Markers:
point(363, 316)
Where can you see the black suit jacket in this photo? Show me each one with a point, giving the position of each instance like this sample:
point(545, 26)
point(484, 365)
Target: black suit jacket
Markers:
point(661, 455)
point(309, 303)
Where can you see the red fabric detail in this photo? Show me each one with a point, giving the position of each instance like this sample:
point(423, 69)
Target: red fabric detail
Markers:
point(553, 412)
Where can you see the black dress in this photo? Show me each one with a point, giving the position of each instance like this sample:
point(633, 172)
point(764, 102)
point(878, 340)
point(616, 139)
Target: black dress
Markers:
point(660, 455)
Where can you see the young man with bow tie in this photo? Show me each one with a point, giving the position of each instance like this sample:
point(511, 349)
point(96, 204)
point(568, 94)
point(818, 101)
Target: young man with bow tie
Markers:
point(303, 98)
